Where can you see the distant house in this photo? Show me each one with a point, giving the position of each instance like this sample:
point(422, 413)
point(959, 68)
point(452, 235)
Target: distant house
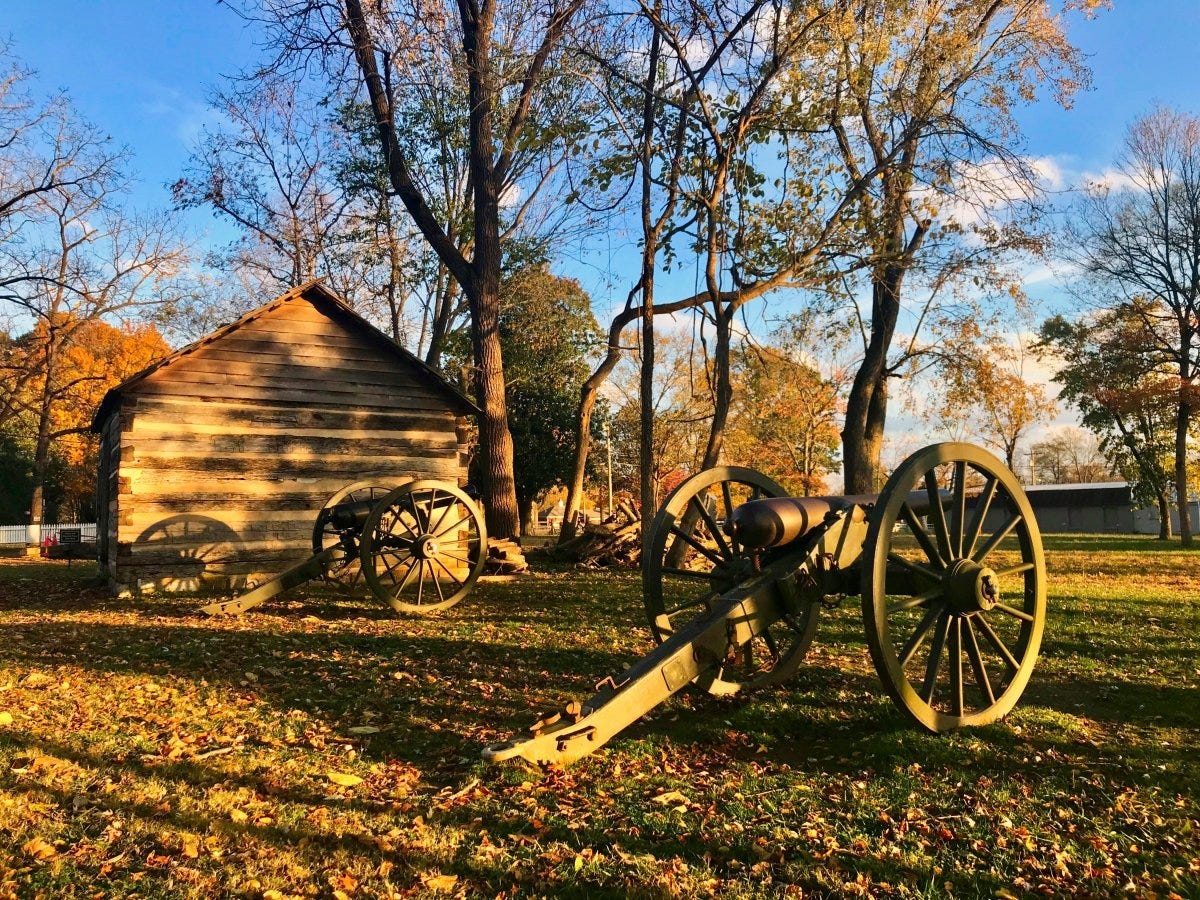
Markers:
point(215, 461)
point(1105, 506)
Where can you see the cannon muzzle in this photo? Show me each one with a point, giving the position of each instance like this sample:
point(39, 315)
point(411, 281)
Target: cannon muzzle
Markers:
point(350, 515)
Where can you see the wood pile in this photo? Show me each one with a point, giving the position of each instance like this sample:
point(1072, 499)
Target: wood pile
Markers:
point(617, 541)
point(504, 557)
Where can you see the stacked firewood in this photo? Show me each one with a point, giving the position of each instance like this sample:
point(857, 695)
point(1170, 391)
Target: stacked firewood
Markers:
point(616, 541)
point(504, 557)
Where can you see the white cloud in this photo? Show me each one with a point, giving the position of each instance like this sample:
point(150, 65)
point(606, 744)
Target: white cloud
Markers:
point(1107, 180)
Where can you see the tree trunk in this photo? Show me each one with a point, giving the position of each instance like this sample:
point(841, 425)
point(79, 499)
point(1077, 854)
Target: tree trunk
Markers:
point(1182, 421)
point(41, 458)
point(1164, 516)
point(495, 440)
point(528, 512)
point(866, 407)
point(722, 389)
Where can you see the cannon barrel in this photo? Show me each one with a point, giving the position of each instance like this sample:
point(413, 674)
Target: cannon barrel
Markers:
point(351, 514)
point(779, 521)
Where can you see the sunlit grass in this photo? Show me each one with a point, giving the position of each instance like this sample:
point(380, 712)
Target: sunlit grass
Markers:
point(155, 752)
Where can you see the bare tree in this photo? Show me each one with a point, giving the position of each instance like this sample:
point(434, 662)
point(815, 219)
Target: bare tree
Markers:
point(268, 171)
point(83, 260)
point(1141, 240)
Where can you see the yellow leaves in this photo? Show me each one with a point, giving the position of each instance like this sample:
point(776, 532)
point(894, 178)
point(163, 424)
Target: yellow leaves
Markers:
point(343, 886)
point(191, 846)
point(672, 797)
point(6, 717)
point(39, 848)
point(343, 778)
point(238, 816)
point(442, 884)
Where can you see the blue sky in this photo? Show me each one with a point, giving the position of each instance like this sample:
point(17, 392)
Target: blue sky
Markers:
point(142, 70)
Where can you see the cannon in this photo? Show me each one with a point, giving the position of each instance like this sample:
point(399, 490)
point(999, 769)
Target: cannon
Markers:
point(947, 559)
point(418, 545)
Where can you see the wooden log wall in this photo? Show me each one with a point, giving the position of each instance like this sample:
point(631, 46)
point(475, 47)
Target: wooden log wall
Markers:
point(228, 454)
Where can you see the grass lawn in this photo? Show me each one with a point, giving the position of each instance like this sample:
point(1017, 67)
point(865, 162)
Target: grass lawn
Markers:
point(320, 747)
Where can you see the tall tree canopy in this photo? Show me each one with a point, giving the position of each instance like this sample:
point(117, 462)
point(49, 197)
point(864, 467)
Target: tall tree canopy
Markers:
point(925, 93)
point(523, 116)
point(1140, 242)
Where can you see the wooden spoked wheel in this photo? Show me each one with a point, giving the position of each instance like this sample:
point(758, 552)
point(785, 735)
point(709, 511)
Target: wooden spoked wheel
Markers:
point(954, 587)
point(690, 560)
point(344, 568)
point(423, 547)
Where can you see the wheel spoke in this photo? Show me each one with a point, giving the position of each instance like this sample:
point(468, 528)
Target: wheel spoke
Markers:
point(727, 496)
point(712, 526)
point(935, 658)
point(466, 518)
point(1016, 570)
point(457, 581)
point(436, 583)
point(445, 512)
point(994, 541)
point(915, 568)
point(937, 516)
point(409, 574)
point(420, 580)
point(921, 536)
point(956, 672)
point(700, 548)
point(1014, 612)
point(399, 559)
point(982, 504)
point(994, 640)
point(397, 519)
point(772, 644)
point(918, 636)
point(976, 658)
point(913, 602)
point(959, 519)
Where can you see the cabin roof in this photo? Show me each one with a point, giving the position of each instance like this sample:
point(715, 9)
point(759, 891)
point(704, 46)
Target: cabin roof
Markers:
point(317, 293)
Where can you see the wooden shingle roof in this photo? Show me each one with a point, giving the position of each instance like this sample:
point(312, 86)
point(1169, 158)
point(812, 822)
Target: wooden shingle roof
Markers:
point(330, 303)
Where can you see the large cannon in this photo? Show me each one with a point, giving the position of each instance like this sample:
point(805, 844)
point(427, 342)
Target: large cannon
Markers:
point(419, 546)
point(947, 559)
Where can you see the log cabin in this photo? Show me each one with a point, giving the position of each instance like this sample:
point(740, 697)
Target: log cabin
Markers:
point(215, 461)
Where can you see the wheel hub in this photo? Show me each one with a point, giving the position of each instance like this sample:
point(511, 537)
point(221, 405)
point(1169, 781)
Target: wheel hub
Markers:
point(425, 547)
point(971, 587)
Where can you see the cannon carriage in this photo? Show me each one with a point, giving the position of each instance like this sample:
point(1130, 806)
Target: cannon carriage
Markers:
point(419, 545)
point(947, 561)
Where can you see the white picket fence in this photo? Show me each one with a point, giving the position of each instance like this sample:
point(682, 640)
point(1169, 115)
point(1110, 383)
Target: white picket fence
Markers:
point(24, 535)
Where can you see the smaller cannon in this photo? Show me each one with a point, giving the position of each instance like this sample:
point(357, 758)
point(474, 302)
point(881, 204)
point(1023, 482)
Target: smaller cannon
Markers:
point(947, 559)
point(418, 545)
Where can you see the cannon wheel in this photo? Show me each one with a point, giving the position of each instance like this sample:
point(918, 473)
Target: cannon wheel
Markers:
point(954, 609)
point(423, 547)
point(345, 569)
point(689, 561)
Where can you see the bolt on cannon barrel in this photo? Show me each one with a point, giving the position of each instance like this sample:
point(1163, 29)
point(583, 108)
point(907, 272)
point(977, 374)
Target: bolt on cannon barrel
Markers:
point(947, 559)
